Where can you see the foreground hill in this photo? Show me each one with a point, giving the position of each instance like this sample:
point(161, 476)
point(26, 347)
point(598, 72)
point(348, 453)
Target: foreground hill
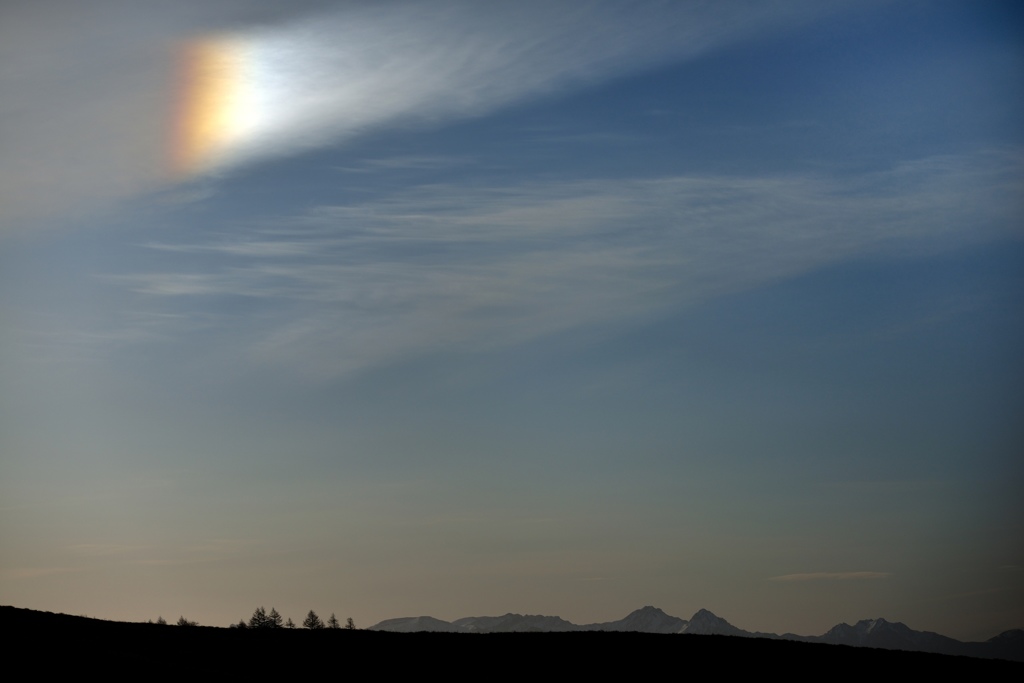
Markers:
point(56, 643)
point(873, 633)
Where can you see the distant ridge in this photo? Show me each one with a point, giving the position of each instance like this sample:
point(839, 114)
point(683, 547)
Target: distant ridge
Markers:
point(705, 623)
point(233, 651)
point(416, 625)
point(874, 633)
point(644, 620)
point(514, 623)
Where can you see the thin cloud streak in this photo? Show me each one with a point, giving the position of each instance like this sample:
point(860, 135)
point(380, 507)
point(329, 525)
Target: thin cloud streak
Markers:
point(448, 267)
point(103, 549)
point(29, 573)
point(833, 576)
point(407, 163)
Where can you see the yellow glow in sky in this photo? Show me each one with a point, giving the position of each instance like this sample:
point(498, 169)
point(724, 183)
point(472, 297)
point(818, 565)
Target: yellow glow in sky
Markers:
point(216, 107)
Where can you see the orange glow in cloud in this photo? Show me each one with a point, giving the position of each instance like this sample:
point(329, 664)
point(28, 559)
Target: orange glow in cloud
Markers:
point(211, 106)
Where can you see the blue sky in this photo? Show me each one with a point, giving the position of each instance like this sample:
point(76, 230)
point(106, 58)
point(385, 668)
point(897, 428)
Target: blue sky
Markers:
point(561, 311)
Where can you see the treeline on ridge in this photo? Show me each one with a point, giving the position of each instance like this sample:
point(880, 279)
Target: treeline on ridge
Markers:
point(262, 619)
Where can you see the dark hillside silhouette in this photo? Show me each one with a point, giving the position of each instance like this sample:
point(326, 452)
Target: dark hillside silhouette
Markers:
point(109, 646)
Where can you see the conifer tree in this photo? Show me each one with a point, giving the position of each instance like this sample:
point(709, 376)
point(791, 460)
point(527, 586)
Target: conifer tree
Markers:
point(312, 621)
point(259, 618)
point(289, 623)
point(274, 619)
point(333, 622)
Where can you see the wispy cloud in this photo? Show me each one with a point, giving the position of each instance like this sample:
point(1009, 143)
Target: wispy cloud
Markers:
point(37, 572)
point(336, 74)
point(211, 550)
point(408, 163)
point(101, 126)
point(104, 549)
point(833, 576)
point(451, 267)
point(86, 100)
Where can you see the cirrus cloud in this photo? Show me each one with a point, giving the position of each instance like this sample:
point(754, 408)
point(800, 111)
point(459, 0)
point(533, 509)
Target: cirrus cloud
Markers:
point(833, 576)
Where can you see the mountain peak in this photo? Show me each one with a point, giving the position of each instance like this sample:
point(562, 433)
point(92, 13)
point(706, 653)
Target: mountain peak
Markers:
point(868, 626)
point(648, 609)
point(705, 616)
point(647, 619)
point(706, 622)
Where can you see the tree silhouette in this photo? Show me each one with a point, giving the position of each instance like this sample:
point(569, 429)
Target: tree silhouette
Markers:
point(259, 619)
point(182, 621)
point(274, 619)
point(289, 623)
point(312, 621)
point(350, 625)
point(333, 622)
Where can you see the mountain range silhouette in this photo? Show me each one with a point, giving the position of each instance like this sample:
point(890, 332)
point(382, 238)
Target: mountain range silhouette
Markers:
point(876, 633)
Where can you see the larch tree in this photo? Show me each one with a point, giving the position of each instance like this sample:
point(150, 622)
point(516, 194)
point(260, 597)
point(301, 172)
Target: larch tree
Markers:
point(312, 621)
point(259, 619)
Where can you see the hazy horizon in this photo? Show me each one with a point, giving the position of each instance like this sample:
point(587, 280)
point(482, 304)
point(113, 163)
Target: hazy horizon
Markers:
point(399, 308)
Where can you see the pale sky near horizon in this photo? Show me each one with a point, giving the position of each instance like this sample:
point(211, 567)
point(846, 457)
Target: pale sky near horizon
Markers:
point(455, 309)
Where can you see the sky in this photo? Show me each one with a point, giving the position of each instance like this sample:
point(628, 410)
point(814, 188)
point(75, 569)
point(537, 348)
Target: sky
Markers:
point(454, 309)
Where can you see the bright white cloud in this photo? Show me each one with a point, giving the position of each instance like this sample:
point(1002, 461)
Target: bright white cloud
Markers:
point(88, 99)
point(332, 75)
